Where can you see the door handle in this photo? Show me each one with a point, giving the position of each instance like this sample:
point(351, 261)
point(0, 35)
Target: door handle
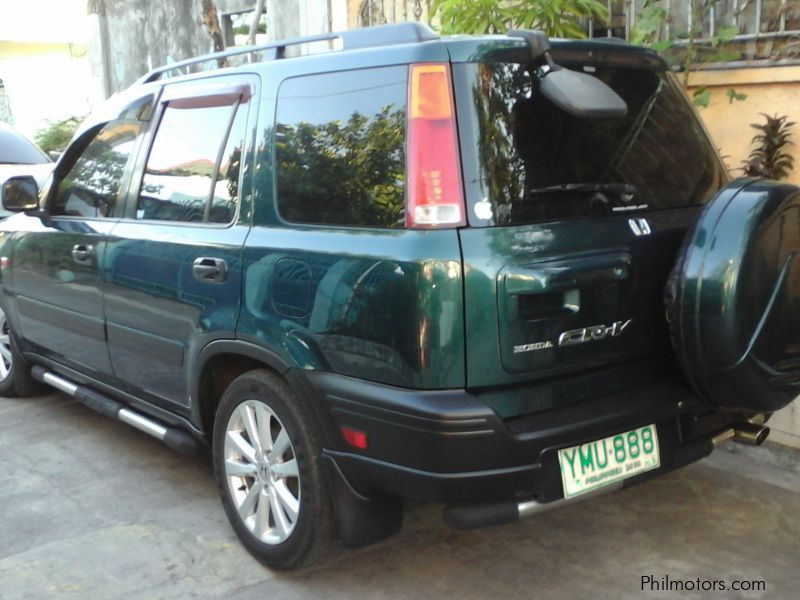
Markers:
point(210, 270)
point(83, 253)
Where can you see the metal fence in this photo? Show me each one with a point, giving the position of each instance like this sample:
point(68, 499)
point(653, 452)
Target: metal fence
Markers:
point(704, 19)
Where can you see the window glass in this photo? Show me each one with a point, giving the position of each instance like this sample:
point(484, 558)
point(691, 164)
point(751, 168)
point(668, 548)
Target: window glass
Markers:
point(226, 187)
point(339, 149)
point(91, 187)
point(535, 162)
point(181, 166)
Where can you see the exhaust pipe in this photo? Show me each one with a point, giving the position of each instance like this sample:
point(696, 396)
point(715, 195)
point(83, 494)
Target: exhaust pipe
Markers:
point(752, 434)
point(723, 436)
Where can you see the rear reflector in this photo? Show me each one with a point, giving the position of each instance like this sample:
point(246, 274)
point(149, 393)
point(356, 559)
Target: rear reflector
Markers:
point(354, 437)
point(434, 194)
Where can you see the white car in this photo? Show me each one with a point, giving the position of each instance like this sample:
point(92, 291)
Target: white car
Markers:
point(20, 156)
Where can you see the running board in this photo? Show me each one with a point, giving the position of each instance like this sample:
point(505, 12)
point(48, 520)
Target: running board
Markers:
point(174, 438)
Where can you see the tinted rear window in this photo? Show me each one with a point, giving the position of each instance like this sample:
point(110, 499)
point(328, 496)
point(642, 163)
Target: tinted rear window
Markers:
point(533, 162)
point(339, 148)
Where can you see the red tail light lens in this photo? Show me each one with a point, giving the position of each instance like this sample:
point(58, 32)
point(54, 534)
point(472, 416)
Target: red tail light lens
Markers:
point(434, 196)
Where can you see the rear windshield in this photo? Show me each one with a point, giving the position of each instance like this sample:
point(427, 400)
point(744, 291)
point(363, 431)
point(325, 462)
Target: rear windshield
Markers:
point(532, 162)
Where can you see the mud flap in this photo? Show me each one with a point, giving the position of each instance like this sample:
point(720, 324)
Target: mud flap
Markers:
point(360, 521)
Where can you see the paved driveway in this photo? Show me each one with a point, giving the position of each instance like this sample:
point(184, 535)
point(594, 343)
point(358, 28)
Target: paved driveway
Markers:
point(90, 508)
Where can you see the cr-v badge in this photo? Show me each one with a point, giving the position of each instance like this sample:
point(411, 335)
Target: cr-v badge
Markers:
point(583, 335)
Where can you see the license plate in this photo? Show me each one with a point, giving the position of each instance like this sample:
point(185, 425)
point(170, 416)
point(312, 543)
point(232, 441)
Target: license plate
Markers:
point(593, 465)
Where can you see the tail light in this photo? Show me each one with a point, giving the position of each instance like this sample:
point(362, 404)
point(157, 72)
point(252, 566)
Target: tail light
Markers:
point(434, 196)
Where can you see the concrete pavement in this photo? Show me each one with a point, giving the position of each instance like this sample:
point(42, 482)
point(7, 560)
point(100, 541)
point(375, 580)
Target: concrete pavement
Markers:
point(90, 508)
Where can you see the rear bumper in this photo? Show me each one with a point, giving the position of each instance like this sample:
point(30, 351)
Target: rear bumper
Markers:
point(447, 446)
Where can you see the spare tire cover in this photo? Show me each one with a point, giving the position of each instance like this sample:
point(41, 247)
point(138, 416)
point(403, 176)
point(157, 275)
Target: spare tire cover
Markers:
point(733, 299)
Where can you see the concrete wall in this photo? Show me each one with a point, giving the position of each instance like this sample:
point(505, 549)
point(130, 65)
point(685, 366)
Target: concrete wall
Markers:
point(134, 37)
point(300, 17)
point(786, 425)
point(769, 90)
point(379, 12)
point(150, 33)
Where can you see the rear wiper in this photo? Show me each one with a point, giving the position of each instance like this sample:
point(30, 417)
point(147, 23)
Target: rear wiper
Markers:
point(622, 189)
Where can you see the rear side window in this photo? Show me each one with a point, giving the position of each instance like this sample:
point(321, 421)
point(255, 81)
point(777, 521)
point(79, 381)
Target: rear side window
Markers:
point(91, 187)
point(192, 172)
point(536, 162)
point(339, 148)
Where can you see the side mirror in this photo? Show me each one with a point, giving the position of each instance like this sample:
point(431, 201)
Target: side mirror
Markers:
point(55, 154)
point(578, 94)
point(20, 193)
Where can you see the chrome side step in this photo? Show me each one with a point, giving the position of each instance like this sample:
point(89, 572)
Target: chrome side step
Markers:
point(174, 438)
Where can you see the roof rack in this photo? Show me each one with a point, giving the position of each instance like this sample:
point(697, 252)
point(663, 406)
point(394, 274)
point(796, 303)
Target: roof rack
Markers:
point(367, 37)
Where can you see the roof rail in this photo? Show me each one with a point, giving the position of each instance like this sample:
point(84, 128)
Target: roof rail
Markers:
point(367, 37)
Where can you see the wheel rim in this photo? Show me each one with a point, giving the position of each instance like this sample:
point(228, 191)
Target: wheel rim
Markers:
point(261, 472)
point(6, 358)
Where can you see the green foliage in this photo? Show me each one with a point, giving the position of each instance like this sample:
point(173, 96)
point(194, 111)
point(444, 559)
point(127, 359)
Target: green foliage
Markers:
point(769, 158)
point(557, 18)
point(733, 96)
point(649, 23)
point(702, 96)
point(245, 29)
point(56, 134)
point(684, 49)
point(725, 34)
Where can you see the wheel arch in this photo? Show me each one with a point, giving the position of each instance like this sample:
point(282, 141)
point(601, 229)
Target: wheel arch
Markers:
point(222, 361)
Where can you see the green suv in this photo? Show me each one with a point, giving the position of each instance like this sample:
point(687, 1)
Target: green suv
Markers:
point(380, 265)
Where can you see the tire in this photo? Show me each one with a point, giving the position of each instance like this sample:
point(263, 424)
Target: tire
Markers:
point(276, 500)
point(731, 299)
point(8, 362)
point(15, 372)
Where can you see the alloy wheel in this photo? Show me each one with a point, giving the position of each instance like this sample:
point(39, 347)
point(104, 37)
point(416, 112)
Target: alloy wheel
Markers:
point(6, 357)
point(261, 472)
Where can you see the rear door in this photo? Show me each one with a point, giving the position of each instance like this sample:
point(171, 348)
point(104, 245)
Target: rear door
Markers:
point(58, 262)
point(575, 224)
point(174, 260)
